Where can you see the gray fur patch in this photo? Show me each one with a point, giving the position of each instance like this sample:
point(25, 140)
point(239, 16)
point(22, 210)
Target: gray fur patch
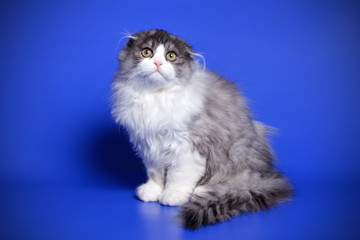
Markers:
point(239, 173)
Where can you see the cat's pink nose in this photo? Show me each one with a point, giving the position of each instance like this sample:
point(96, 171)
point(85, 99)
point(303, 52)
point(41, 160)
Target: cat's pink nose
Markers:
point(158, 64)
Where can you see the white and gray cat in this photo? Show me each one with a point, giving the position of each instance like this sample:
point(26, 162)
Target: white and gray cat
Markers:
point(191, 127)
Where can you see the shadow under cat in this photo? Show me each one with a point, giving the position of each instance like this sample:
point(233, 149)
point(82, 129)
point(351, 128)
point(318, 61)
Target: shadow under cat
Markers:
point(112, 160)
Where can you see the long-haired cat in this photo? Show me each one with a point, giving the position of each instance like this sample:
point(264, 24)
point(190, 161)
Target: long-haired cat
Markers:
point(192, 128)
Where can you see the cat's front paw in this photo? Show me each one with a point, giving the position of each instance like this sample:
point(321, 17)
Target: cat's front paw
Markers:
point(149, 192)
point(174, 197)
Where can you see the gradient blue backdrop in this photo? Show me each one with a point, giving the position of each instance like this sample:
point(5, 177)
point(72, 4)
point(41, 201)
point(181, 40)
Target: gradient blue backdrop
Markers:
point(68, 172)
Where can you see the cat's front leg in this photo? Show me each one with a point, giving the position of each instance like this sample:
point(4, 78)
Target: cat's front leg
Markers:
point(152, 189)
point(182, 177)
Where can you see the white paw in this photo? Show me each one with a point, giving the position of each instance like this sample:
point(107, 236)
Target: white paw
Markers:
point(174, 197)
point(149, 192)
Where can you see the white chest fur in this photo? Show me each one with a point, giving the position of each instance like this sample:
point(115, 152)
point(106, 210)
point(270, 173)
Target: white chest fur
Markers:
point(157, 121)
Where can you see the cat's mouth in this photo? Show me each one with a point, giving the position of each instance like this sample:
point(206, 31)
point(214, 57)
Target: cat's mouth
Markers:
point(157, 72)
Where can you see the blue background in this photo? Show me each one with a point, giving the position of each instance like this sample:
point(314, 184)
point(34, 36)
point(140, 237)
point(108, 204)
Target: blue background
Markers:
point(68, 172)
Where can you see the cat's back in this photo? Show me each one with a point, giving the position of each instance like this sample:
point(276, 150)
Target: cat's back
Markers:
point(224, 97)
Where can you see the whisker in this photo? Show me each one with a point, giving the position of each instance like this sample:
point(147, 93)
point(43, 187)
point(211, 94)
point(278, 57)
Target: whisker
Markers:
point(200, 56)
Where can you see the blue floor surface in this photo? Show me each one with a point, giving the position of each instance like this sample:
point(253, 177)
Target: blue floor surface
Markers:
point(114, 213)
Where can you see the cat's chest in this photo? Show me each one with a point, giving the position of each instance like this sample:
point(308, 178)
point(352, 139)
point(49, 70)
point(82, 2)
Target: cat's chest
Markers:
point(160, 110)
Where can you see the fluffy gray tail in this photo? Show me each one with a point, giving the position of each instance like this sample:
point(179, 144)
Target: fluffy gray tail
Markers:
point(220, 203)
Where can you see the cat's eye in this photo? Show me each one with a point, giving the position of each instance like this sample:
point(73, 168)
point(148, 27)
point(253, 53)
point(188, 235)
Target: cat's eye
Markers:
point(171, 56)
point(146, 52)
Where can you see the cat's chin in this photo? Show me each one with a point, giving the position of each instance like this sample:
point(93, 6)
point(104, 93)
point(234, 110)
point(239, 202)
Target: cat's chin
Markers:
point(156, 79)
point(157, 76)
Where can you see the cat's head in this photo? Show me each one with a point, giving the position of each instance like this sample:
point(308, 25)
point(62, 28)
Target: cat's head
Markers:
point(156, 58)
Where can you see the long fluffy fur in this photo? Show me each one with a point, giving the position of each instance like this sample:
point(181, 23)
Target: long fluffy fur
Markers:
point(195, 134)
point(239, 174)
point(218, 203)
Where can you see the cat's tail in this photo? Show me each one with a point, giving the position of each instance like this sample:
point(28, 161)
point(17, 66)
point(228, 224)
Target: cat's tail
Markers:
point(213, 204)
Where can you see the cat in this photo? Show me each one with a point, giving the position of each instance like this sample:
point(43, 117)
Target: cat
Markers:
point(192, 128)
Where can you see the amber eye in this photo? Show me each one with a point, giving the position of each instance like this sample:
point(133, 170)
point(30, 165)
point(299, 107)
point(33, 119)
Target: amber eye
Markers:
point(146, 52)
point(171, 56)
